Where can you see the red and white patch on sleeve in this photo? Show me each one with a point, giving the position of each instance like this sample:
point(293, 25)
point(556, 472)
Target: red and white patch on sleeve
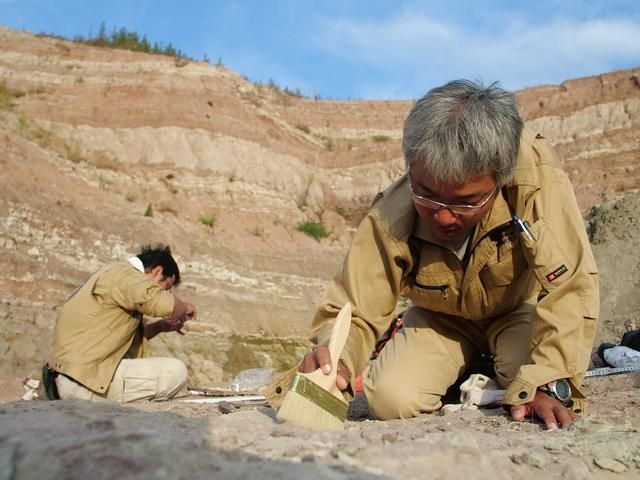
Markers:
point(557, 272)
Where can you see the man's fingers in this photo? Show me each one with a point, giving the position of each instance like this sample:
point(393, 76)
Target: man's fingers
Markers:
point(518, 412)
point(323, 359)
point(308, 363)
point(548, 415)
point(547, 409)
point(318, 358)
point(341, 383)
point(564, 416)
point(344, 376)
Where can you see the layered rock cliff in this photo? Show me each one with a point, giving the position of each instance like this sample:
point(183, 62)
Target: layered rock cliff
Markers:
point(104, 150)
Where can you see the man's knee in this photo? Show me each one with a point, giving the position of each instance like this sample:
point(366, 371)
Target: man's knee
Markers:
point(390, 399)
point(172, 378)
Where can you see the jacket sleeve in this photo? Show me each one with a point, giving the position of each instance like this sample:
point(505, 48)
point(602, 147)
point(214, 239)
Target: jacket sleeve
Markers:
point(133, 291)
point(370, 279)
point(564, 320)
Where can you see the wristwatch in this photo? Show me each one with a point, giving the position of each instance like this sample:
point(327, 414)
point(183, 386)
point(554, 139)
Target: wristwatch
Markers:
point(558, 389)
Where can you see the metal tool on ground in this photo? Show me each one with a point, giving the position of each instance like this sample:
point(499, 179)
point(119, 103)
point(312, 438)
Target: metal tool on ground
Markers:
point(601, 372)
point(238, 399)
point(313, 399)
point(219, 392)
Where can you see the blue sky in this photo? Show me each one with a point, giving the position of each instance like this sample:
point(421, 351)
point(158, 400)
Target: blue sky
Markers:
point(371, 49)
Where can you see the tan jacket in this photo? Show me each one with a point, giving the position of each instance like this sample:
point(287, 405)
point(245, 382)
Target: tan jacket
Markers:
point(98, 324)
point(391, 257)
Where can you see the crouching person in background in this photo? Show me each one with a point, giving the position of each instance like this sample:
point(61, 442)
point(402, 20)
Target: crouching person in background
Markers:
point(100, 333)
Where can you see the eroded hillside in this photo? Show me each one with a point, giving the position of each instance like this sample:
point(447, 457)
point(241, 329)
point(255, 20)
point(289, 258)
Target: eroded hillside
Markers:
point(93, 139)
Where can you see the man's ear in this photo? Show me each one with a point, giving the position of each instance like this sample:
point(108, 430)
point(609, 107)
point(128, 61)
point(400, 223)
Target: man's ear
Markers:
point(157, 272)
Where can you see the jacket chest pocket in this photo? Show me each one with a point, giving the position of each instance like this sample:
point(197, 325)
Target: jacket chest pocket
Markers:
point(436, 286)
point(433, 287)
point(438, 293)
point(506, 265)
point(505, 280)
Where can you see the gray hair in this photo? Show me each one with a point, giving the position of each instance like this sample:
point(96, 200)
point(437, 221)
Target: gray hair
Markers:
point(463, 130)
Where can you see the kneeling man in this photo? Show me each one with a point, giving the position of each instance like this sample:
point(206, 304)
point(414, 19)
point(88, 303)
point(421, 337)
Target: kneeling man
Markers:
point(100, 333)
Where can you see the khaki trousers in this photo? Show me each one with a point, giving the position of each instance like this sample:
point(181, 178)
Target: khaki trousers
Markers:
point(134, 379)
point(418, 365)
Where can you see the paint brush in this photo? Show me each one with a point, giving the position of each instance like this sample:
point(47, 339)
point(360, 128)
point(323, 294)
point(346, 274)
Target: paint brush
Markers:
point(313, 399)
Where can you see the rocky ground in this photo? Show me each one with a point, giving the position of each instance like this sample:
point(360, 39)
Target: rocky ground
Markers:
point(173, 440)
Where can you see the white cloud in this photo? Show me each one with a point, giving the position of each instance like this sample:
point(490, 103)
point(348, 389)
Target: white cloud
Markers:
point(425, 52)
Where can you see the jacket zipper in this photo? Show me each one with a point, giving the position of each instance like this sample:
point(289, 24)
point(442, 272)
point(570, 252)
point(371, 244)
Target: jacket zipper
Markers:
point(443, 288)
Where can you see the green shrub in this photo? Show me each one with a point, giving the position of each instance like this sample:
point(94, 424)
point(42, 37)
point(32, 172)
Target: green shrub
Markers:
point(314, 229)
point(380, 138)
point(126, 40)
point(208, 219)
point(148, 212)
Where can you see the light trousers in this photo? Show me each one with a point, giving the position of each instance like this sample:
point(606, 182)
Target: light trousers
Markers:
point(430, 352)
point(134, 379)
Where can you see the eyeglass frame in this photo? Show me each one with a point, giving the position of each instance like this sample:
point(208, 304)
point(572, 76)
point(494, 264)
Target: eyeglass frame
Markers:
point(461, 209)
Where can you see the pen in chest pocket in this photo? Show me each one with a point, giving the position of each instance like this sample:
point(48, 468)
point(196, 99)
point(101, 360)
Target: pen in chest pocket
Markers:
point(523, 228)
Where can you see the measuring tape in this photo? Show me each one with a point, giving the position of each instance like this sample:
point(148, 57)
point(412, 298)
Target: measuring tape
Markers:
point(600, 372)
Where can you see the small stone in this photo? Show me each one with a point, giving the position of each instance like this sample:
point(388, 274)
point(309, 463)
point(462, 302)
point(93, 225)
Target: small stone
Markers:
point(610, 464)
point(33, 251)
point(532, 459)
point(389, 438)
point(227, 407)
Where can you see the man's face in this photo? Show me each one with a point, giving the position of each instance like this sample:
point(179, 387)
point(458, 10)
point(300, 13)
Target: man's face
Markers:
point(156, 276)
point(443, 222)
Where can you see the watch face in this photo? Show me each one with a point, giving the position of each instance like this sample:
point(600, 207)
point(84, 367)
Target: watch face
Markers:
point(562, 390)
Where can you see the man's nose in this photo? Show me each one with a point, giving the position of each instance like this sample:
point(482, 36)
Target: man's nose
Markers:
point(443, 216)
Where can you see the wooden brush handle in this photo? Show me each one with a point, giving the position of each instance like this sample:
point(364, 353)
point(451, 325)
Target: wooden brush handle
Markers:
point(339, 335)
point(338, 338)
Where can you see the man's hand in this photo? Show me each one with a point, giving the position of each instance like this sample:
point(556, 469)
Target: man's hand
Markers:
point(175, 324)
point(321, 358)
point(182, 312)
point(183, 309)
point(547, 409)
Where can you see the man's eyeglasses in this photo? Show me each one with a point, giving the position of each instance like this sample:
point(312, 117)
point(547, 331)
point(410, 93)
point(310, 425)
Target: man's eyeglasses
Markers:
point(455, 209)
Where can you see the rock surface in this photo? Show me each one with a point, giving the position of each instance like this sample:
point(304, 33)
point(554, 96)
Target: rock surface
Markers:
point(75, 439)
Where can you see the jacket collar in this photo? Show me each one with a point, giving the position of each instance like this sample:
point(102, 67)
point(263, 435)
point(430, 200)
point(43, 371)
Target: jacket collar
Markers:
point(137, 263)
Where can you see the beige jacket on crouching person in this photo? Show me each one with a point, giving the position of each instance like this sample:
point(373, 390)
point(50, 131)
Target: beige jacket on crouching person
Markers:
point(391, 257)
point(101, 323)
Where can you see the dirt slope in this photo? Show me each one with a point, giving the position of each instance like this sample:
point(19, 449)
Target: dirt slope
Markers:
point(91, 139)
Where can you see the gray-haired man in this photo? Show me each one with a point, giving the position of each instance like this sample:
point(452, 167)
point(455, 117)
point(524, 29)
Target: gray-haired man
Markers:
point(484, 235)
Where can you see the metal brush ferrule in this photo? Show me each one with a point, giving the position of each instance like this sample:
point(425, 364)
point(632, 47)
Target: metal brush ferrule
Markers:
point(319, 396)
